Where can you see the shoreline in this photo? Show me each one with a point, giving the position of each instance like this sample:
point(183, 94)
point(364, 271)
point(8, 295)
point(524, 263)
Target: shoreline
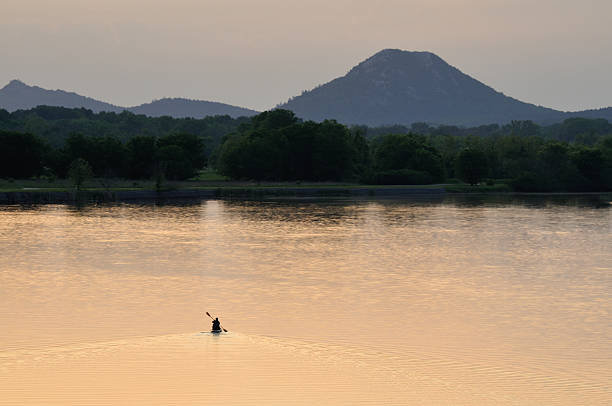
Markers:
point(53, 197)
point(41, 196)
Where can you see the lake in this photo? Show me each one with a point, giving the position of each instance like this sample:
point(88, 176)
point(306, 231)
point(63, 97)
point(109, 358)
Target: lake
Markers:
point(441, 301)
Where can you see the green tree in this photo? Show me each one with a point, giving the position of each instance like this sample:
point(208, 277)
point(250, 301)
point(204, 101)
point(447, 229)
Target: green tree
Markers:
point(4, 115)
point(79, 172)
point(141, 157)
point(275, 146)
point(175, 161)
point(232, 157)
point(557, 170)
point(605, 146)
point(524, 128)
point(408, 155)
point(333, 152)
point(590, 162)
point(108, 158)
point(273, 120)
point(192, 145)
point(21, 155)
point(258, 154)
point(361, 154)
point(574, 128)
point(472, 165)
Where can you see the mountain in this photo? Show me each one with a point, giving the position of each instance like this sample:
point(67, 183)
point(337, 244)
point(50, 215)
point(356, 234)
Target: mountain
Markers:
point(19, 96)
point(401, 87)
point(391, 87)
point(605, 112)
point(180, 108)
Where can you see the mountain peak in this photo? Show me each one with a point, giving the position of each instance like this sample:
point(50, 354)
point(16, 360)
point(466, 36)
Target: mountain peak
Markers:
point(403, 87)
point(397, 59)
point(15, 84)
point(399, 53)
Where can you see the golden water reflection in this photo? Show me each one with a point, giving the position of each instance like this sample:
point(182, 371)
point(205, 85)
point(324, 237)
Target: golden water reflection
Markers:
point(337, 302)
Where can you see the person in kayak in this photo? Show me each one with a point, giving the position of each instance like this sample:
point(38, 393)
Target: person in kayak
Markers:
point(216, 325)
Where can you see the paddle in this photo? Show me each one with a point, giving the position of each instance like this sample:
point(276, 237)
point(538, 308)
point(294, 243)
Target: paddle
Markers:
point(208, 314)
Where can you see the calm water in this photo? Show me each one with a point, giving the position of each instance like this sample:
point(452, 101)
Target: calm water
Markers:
point(446, 302)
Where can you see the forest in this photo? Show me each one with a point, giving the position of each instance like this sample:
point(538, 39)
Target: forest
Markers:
point(49, 142)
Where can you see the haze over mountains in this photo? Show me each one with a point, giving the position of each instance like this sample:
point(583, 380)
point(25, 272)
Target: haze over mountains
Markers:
point(19, 96)
point(181, 108)
point(401, 87)
point(391, 87)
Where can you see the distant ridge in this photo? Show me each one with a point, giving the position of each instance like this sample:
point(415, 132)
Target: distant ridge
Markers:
point(402, 87)
point(390, 87)
point(605, 113)
point(20, 96)
point(180, 108)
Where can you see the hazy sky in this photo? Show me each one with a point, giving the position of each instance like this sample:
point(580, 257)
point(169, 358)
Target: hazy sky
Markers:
point(556, 53)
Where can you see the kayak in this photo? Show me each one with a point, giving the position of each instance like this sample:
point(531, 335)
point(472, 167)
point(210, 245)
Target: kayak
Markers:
point(216, 331)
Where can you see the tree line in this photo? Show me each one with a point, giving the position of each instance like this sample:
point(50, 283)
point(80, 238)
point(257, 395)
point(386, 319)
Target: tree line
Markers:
point(277, 146)
point(56, 124)
point(175, 156)
point(580, 130)
point(528, 163)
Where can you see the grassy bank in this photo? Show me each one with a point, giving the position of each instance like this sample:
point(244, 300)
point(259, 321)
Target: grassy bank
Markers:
point(211, 181)
point(483, 188)
point(207, 181)
point(37, 191)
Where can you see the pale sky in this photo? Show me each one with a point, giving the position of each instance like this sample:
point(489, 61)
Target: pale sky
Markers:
point(256, 54)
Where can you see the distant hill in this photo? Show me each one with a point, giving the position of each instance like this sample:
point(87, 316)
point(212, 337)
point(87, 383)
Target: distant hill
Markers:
point(392, 87)
point(181, 108)
point(594, 113)
point(401, 87)
point(20, 96)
